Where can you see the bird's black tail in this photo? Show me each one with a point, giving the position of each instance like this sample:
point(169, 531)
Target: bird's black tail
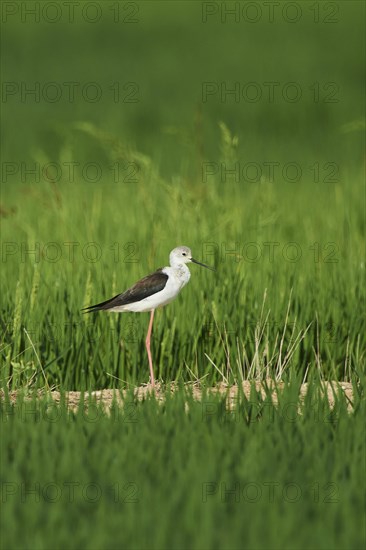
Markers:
point(97, 307)
point(90, 309)
point(100, 307)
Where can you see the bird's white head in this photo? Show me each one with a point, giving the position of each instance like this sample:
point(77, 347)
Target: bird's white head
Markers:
point(183, 255)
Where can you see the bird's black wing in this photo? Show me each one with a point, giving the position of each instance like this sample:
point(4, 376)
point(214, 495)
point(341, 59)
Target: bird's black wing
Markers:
point(142, 289)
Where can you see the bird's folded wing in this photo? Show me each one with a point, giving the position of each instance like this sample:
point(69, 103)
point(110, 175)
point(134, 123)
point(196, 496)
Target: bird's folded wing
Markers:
point(142, 289)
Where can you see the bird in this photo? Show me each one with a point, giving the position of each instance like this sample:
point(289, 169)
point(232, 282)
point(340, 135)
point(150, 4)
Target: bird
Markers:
point(157, 289)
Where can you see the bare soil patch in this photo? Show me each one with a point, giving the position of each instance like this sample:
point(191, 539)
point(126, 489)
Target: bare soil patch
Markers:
point(329, 389)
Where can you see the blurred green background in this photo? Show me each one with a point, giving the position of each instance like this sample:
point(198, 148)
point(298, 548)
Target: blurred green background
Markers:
point(126, 175)
point(167, 51)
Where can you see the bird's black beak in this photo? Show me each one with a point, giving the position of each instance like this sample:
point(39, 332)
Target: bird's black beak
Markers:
point(203, 265)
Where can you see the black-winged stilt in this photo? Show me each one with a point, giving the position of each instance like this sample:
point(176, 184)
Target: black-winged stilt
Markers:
point(157, 289)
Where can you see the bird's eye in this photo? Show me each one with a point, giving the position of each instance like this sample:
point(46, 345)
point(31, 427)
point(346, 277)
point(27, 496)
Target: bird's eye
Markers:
point(184, 254)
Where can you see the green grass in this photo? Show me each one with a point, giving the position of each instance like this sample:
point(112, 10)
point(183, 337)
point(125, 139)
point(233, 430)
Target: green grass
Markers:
point(161, 476)
point(288, 271)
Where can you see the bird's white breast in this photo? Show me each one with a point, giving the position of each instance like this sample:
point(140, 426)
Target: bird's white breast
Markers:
point(178, 276)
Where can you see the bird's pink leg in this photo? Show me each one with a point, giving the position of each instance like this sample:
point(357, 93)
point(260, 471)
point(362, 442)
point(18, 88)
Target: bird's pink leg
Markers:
point(147, 342)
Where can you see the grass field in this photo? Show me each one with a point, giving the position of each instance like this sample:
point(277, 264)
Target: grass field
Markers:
point(285, 298)
point(162, 124)
point(156, 475)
